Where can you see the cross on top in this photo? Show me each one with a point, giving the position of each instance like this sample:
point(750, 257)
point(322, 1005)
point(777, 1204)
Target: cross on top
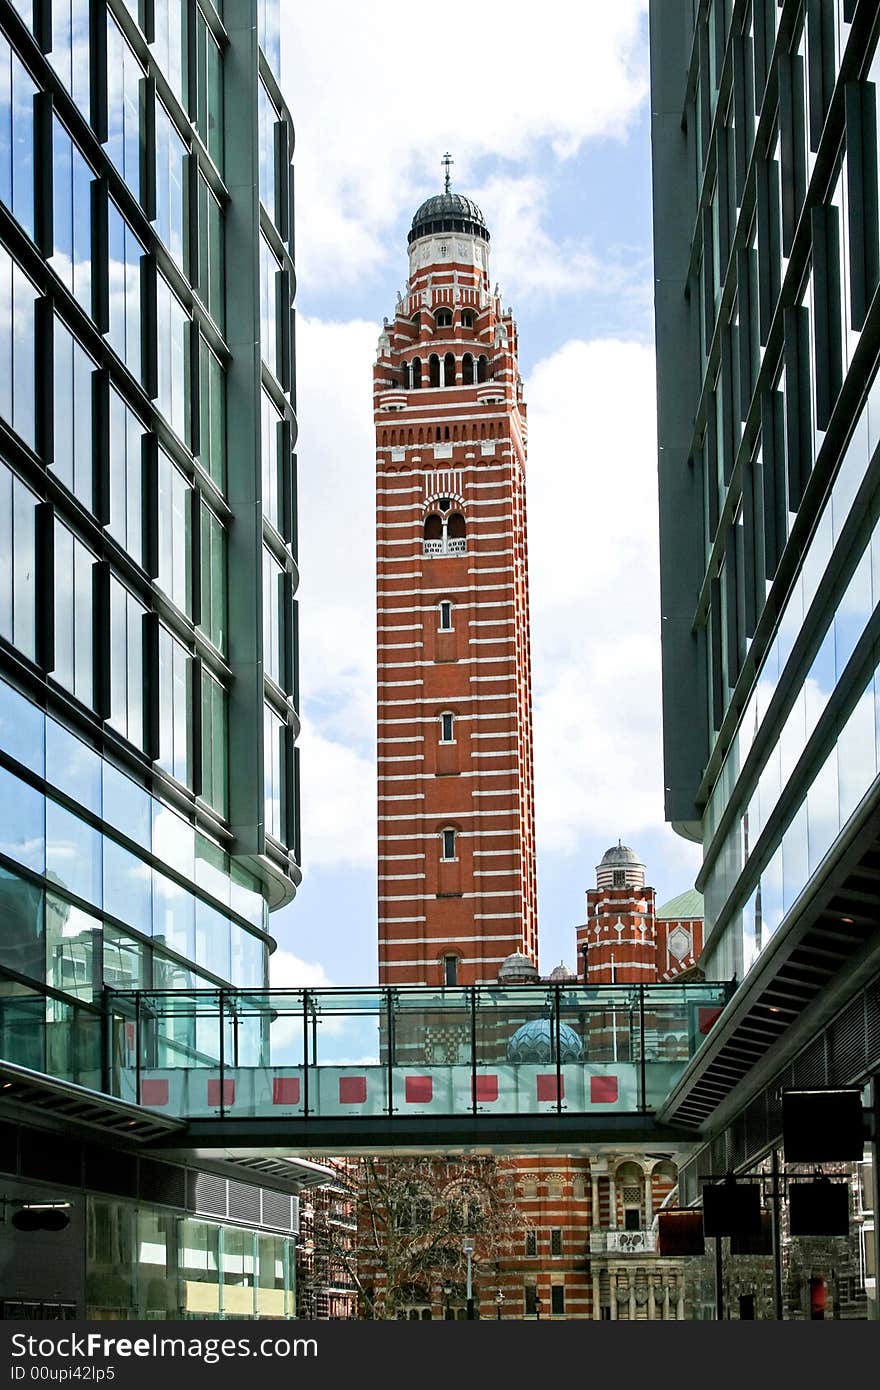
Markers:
point(447, 161)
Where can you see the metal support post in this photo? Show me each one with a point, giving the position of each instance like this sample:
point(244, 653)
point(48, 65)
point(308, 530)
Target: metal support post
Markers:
point(776, 1217)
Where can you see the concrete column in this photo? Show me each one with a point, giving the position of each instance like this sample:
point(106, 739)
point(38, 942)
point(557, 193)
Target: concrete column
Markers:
point(596, 1276)
point(612, 1281)
point(595, 1216)
point(652, 1304)
point(612, 1203)
point(632, 1296)
point(649, 1202)
point(679, 1307)
point(666, 1299)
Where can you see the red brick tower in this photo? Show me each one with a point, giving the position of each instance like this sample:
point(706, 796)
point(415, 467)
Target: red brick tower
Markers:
point(457, 889)
point(626, 938)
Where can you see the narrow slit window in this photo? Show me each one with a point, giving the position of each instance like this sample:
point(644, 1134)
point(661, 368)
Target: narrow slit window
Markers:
point(446, 616)
point(447, 730)
point(450, 970)
point(448, 844)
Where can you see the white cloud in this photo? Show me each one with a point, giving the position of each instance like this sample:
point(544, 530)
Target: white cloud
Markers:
point(594, 592)
point(338, 797)
point(532, 263)
point(287, 971)
point(377, 99)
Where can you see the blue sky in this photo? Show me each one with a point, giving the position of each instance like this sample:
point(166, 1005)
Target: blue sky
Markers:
point(549, 127)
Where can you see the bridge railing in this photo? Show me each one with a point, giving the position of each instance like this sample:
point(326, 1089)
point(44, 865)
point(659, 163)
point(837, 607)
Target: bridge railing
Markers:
point(526, 1049)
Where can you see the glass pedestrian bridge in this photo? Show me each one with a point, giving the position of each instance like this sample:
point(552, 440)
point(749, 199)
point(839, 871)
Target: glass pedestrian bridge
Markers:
point(392, 1052)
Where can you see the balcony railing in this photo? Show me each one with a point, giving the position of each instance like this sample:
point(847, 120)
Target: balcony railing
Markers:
point(455, 546)
point(622, 1242)
point(410, 1050)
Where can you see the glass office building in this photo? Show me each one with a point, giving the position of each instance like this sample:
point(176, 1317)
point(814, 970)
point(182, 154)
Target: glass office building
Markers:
point(148, 625)
point(767, 265)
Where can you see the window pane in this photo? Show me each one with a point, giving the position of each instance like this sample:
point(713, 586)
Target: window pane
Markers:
point(17, 93)
point(71, 216)
point(269, 269)
point(73, 853)
point(173, 916)
point(73, 614)
point(209, 90)
point(273, 578)
point(170, 42)
point(171, 184)
point(70, 49)
point(214, 764)
point(73, 945)
point(126, 664)
point(273, 734)
point(210, 289)
point(72, 444)
point(17, 297)
point(175, 547)
point(270, 447)
point(128, 892)
point(124, 254)
point(125, 960)
point(269, 31)
point(17, 563)
point(212, 940)
point(212, 415)
point(268, 117)
point(22, 822)
point(213, 579)
point(175, 732)
point(73, 767)
point(173, 396)
point(126, 478)
point(124, 75)
point(21, 926)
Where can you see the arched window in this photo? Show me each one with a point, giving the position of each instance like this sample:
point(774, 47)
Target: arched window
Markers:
point(417, 320)
point(467, 318)
point(416, 373)
point(444, 535)
point(450, 970)
point(449, 369)
point(447, 727)
point(467, 370)
point(443, 318)
point(630, 1181)
point(447, 845)
point(455, 527)
point(434, 528)
point(482, 368)
point(446, 616)
point(434, 369)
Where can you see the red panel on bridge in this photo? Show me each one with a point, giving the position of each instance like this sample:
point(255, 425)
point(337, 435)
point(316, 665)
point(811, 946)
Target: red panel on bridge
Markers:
point(485, 1088)
point(547, 1087)
point(352, 1090)
point(285, 1090)
point(419, 1090)
point(603, 1090)
point(214, 1092)
point(706, 1017)
point(154, 1091)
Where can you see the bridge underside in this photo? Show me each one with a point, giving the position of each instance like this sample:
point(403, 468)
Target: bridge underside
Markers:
point(340, 1136)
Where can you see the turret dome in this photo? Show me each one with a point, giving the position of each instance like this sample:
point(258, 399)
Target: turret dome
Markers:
point(448, 212)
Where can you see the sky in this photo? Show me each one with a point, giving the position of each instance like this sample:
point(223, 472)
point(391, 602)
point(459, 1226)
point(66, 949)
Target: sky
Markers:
point(545, 112)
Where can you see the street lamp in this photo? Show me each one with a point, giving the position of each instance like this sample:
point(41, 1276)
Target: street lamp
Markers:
point(537, 1308)
point(499, 1304)
point(467, 1246)
point(447, 1295)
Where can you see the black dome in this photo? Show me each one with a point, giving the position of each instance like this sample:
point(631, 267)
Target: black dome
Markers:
point(448, 212)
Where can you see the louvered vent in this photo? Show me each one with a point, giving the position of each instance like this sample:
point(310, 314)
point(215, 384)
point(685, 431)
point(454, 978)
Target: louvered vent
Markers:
point(846, 1043)
point(244, 1202)
point(276, 1210)
point(210, 1194)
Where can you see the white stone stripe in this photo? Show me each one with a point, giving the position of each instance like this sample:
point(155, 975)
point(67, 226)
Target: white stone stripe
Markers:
point(420, 897)
point(432, 776)
point(397, 838)
point(471, 960)
point(462, 661)
point(452, 940)
point(401, 919)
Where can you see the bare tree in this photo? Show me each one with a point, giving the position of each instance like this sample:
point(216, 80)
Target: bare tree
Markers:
point(411, 1218)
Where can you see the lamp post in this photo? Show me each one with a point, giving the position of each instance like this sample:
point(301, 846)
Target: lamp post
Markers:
point(467, 1246)
point(537, 1308)
point(447, 1295)
point(499, 1304)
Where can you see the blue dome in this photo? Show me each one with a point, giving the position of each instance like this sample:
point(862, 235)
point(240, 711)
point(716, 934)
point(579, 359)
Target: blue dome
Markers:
point(536, 1042)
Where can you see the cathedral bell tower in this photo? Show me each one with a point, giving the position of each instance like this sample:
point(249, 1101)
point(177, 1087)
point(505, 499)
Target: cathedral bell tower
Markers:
point(457, 891)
